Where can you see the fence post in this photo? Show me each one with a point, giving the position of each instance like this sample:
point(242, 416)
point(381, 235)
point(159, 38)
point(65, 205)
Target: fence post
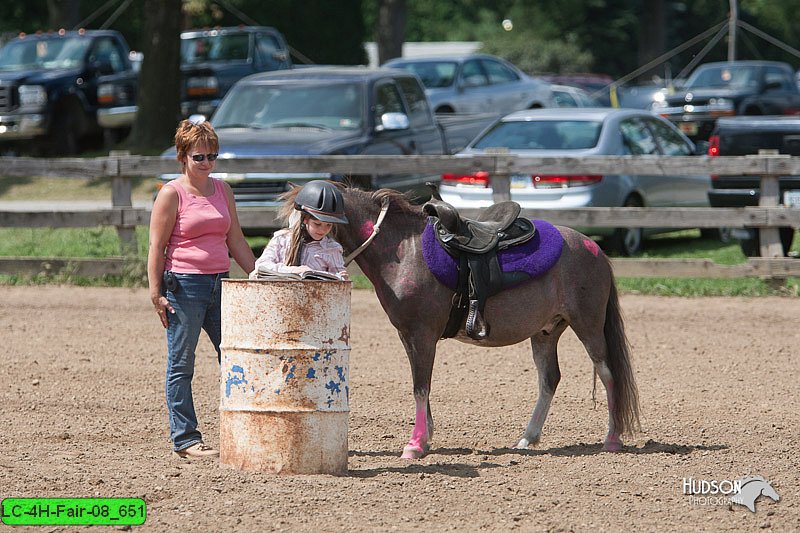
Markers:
point(501, 187)
point(121, 198)
point(769, 237)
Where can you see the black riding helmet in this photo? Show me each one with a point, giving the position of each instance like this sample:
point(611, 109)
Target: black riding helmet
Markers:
point(322, 200)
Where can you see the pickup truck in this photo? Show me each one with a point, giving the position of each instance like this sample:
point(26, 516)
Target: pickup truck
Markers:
point(730, 88)
point(745, 136)
point(49, 88)
point(331, 111)
point(212, 60)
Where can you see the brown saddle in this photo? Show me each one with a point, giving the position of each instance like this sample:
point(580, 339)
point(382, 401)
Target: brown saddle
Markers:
point(475, 243)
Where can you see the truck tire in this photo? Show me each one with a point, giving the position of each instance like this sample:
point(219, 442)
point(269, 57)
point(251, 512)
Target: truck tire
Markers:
point(628, 241)
point(752, 247)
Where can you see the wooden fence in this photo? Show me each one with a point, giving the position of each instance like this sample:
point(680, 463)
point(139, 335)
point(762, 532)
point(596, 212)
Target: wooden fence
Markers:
point(768, 216)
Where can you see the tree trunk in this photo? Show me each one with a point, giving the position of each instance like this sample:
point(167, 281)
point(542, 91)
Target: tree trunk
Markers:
point(652, 35)
point(63, 14)
point(391, 29)
point(160, 78)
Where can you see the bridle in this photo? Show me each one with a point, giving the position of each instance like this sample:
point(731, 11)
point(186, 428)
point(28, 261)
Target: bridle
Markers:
point(375, 230)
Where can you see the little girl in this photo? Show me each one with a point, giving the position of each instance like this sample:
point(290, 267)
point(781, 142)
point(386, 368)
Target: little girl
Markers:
point(306, 244)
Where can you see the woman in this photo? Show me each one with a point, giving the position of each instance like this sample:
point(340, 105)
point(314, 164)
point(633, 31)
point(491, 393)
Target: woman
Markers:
point(193, 228)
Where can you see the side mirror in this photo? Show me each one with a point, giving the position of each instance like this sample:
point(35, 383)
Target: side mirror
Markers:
point(280, 55)
point(393, 122)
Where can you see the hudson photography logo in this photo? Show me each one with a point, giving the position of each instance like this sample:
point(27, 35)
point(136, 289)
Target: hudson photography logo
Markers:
point(725, 492)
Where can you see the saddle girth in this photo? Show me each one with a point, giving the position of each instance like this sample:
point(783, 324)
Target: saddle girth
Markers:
point(475, 244)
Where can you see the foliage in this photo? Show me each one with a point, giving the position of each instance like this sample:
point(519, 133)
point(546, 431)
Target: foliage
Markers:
point(536, 56)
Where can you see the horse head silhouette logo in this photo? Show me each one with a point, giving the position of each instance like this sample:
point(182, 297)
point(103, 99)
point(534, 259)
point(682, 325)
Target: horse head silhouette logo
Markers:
point(752, 488)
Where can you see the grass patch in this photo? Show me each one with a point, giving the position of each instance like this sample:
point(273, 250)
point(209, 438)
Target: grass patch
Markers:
point(70, 190)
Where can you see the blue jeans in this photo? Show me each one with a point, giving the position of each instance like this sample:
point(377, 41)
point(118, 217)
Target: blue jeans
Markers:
point(197, 306)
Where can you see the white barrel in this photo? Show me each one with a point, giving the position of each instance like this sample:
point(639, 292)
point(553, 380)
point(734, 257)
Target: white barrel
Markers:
point(284, 376)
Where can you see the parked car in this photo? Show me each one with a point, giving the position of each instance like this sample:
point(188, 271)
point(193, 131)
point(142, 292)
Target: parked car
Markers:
point(740, 136)
point(729, 88)
point(597, 85)
point(476, 83)
point(568, 96)
point(51, 88)
point(331, 111)
point(584, 132)
point(211, 62)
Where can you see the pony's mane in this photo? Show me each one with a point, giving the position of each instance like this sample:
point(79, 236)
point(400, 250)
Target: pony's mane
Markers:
point(398, 201)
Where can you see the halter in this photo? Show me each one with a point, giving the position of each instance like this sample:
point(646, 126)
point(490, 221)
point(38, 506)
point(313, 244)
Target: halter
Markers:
point(375, 230)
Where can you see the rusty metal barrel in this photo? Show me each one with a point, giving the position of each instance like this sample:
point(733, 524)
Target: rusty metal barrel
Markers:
point(284, 376)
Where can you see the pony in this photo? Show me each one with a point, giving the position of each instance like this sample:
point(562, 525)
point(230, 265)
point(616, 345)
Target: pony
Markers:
point(577, 292)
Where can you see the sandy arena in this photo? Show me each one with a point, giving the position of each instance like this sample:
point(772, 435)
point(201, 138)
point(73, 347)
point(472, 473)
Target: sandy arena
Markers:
point(82, 404)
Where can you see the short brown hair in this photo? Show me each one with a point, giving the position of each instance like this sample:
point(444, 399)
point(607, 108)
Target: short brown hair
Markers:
point(191, 133)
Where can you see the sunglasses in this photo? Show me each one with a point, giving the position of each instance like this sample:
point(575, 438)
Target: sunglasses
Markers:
point(198, 158)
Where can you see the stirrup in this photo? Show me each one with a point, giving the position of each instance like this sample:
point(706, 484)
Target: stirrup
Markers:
point(476, 327)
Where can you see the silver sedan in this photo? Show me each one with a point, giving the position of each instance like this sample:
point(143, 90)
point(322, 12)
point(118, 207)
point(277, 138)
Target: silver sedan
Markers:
point(476, 83)
point(584, 132)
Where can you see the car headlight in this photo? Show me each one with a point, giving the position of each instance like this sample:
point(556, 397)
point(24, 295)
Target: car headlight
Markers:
point(202, 86)
point(721, 103)
point(32, 96)
point(658, 105)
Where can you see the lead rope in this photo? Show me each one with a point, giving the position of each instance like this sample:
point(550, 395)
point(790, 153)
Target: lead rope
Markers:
point(375, 230)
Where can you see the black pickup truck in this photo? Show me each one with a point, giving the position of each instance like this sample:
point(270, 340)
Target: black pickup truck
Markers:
point(726, 89)
point(49, 88)
point(746, 136)
point(332, 111)
point(212, 61)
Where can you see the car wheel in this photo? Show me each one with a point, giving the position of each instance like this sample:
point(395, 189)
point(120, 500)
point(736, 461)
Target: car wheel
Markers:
point(752, 247)
point(628, 241)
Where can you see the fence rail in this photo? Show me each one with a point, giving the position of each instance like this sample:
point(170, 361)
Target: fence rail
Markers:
point(768, 216)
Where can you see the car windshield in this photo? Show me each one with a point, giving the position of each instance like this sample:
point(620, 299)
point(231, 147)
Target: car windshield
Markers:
point(337, 106)
point(724, 76)
point(434, 74)
point(55, 53)
point(542, 135)
point(227, 47)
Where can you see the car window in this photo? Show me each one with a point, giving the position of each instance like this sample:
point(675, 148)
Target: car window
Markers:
point(780, 76)
point(564, 99)
point(387, 100)
point(669, 140)
point(106, 50)
point(419, 113)
point(637, 138)
point(472, 75)
point(266, 45)
point(542, 135)
point(498, 72)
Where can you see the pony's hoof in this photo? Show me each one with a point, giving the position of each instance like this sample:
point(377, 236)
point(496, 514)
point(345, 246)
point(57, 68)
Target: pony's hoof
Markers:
point(521, 445)
point(413, 452)
point(613, 445)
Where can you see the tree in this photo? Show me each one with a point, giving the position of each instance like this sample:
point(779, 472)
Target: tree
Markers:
point(63, 13)
point(159, 81)
point(390, 29)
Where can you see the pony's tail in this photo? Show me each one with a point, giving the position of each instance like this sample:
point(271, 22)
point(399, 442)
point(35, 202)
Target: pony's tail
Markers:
point(625, 392)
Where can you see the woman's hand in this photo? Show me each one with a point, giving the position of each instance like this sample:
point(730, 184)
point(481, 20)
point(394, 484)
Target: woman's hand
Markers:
point(163, 307)
point(343, 274)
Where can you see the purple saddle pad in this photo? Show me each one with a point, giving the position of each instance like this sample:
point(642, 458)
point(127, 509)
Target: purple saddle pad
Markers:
point(535, 257)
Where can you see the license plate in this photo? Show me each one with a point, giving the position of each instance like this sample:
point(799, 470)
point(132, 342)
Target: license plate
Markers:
point(689, 128)
point(791, 198)
point(520, 181)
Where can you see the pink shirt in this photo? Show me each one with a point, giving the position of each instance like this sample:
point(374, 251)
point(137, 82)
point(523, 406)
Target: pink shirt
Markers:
point(198, 241)
point(324, 254)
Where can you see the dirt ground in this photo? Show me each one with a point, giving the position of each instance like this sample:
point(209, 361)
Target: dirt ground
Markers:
point(83, 411)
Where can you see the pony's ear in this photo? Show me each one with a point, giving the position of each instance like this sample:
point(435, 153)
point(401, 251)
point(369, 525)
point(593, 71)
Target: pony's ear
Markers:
point(293, 185)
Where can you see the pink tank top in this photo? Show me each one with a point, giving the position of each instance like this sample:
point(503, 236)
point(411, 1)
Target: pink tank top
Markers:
point(198, 241)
